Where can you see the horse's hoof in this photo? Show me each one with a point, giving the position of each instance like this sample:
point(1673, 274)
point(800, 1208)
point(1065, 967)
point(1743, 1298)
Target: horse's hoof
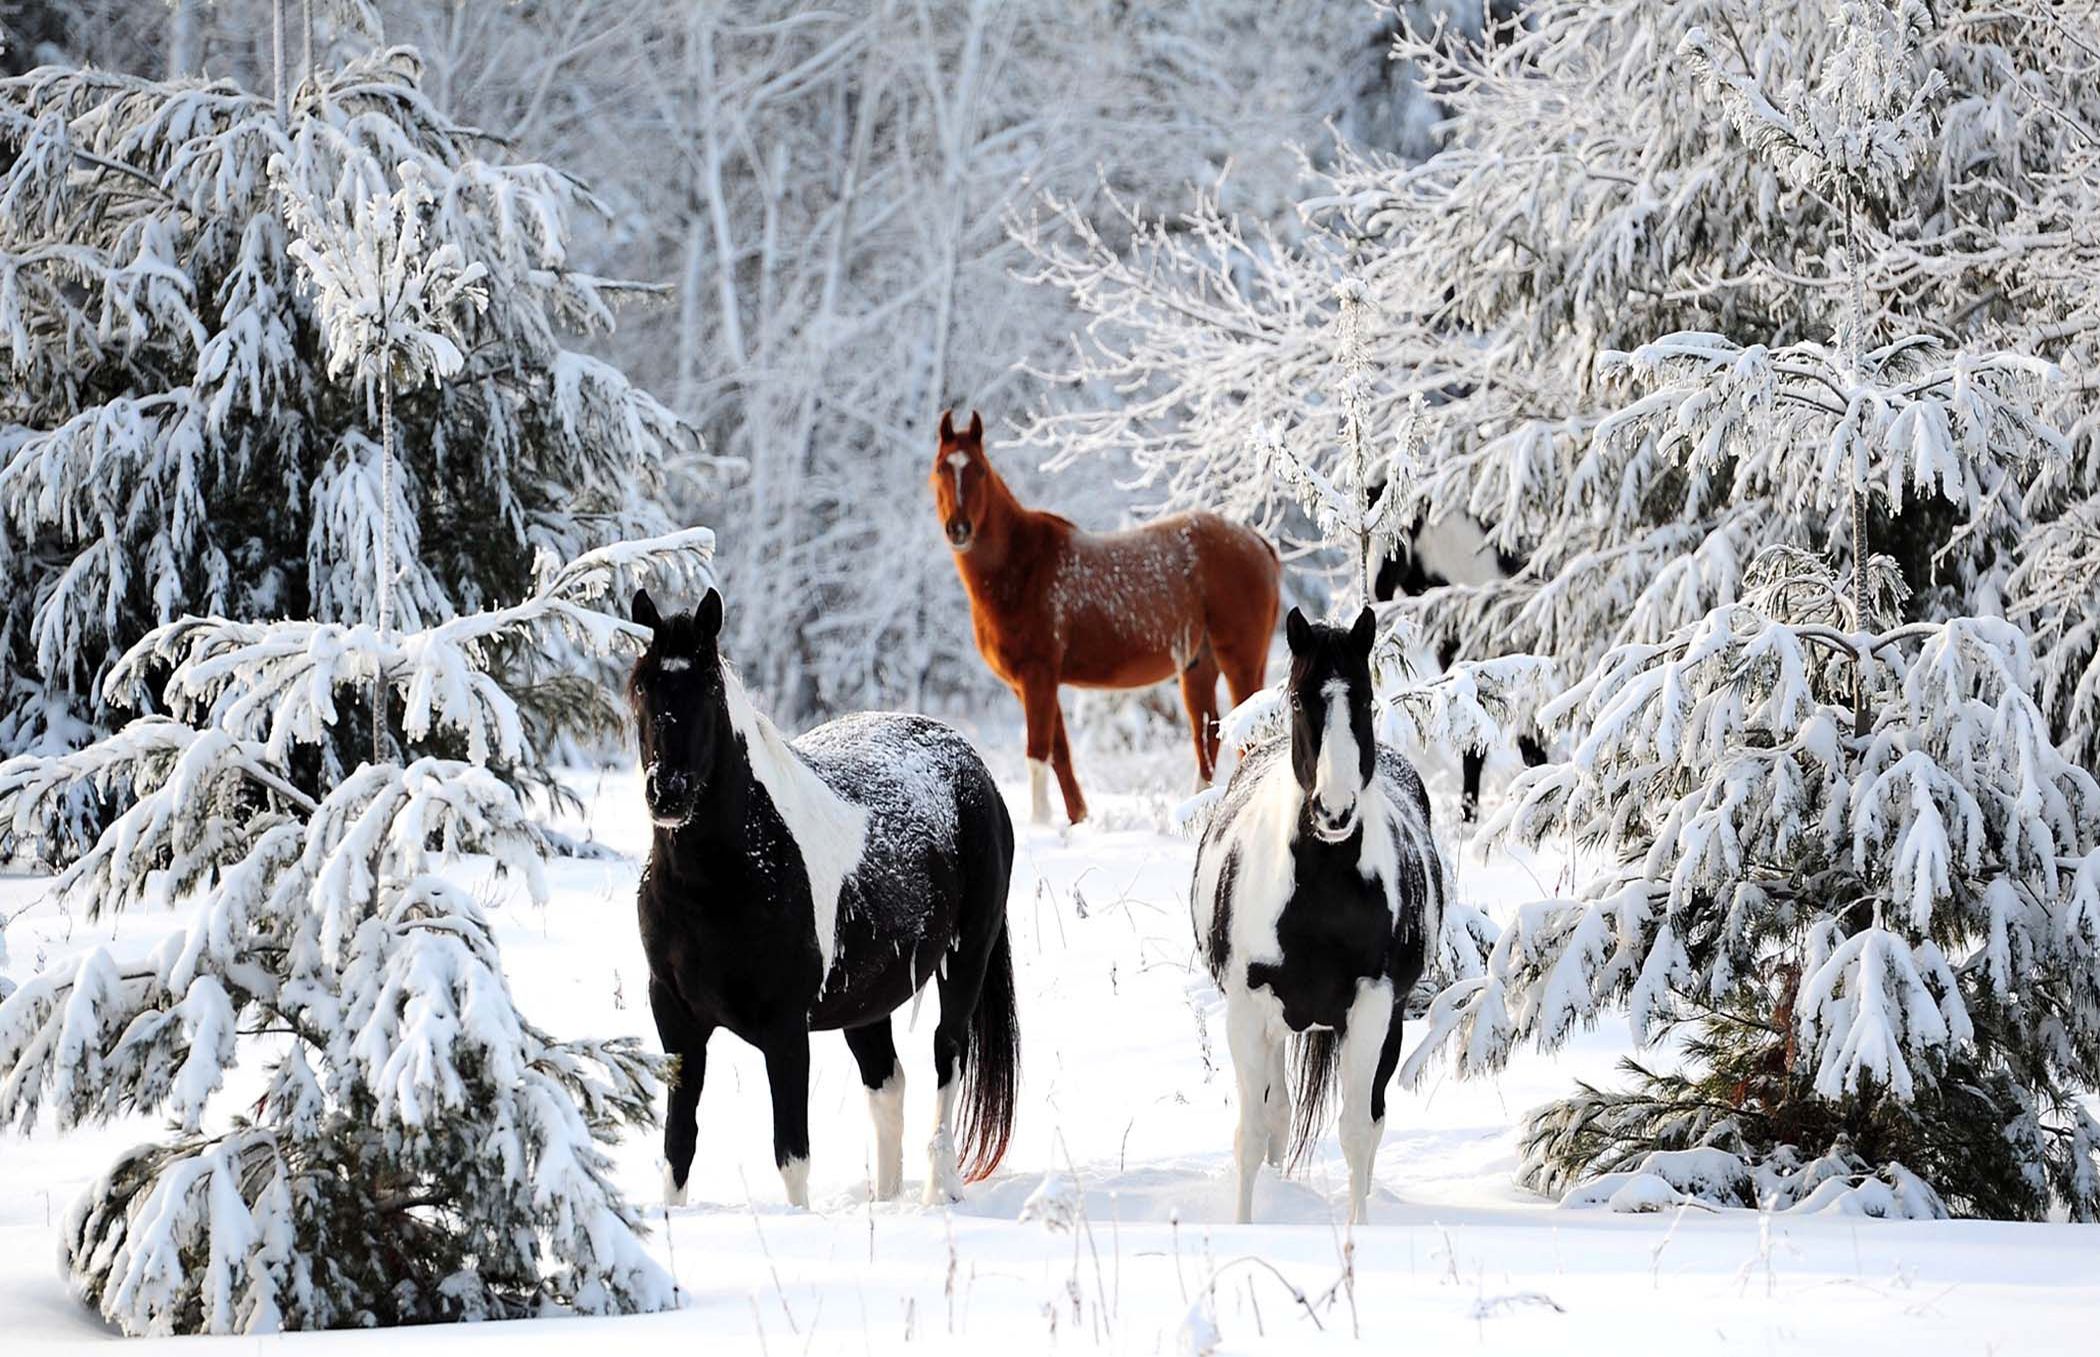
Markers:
point(794, 1175)
point(674, 1191)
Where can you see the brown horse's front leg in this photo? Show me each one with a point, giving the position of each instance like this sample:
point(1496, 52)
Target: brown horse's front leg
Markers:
point(1039, 705)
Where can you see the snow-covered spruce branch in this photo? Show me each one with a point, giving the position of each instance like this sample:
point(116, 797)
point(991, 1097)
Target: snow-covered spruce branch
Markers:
point(329, 940)
point(209, 468)
point(1908, 908)
point(278, 682)
point(1539, 235)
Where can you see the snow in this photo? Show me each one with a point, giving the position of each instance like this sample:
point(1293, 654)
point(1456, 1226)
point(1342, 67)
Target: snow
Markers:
point(1125, 1133)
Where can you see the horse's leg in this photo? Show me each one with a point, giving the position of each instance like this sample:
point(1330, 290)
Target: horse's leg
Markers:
point(1370, 1049)
point(1039, 708)
point(1199, 693)
point(1244, 660)
point(787, 1072)
point(1278, 1106)
point(882, 1074)
point(1255, 1053)
point(684, 1037)
point(1472, 763)
point(1067, 776)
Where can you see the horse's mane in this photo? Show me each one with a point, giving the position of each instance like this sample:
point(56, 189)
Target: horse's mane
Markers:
point(829, 830)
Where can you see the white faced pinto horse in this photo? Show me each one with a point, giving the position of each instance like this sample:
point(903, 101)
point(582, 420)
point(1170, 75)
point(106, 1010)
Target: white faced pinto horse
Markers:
point(818, 885)
point(1318, 896)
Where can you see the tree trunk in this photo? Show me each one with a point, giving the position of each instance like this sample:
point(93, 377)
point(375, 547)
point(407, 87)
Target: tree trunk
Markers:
point(386, 559)
point(1855, 346)
point(182, 39)
point(277, 57)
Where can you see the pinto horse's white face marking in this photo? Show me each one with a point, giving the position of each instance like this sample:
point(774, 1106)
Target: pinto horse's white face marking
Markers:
point(958, 462)
point(1338, 777)
point(674, 664)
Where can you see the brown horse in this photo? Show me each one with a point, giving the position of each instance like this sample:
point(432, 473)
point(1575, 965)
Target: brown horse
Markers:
point(1191, 595)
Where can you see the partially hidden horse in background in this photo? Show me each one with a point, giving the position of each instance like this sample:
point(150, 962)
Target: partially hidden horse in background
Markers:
point(1317, 901)
point(817, 885)
point(1051, 603)
point(1434, 555)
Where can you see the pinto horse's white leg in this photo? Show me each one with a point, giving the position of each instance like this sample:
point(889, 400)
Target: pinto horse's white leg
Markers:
point(1369, 1017)
point(1254, 1051)
point(1039, 791)
point(943, 1177)
point(1278, 1106)
point(886, 1109)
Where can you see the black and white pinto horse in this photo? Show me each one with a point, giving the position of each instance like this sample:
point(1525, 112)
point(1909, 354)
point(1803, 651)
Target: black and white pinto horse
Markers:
point(1318, 895)
point(1453, 551)
point(817, 885)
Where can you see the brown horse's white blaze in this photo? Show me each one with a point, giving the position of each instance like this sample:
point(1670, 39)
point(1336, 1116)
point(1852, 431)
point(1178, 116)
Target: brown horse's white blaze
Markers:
point(1192, 596)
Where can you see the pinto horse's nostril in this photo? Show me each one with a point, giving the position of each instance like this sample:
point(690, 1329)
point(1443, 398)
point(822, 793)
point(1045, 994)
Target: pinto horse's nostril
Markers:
point(959, 531)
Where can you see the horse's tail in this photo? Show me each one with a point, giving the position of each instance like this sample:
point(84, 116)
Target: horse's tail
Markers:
point(991, 1067)
point(1316, 1069)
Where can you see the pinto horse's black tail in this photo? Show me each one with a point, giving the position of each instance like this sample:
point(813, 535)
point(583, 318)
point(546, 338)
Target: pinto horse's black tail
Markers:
point(1315, 1071)
point(991, 1068)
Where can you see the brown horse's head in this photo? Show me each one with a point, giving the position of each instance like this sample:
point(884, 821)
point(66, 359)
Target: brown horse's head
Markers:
point(961, 480)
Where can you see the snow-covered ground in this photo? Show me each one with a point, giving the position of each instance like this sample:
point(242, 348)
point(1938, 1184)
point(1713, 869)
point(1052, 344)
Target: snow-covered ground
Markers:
point(1126, 1091)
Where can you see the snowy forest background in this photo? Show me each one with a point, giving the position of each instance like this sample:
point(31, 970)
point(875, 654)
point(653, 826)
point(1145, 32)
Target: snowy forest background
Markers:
point(1758, 338)
point(826, 199)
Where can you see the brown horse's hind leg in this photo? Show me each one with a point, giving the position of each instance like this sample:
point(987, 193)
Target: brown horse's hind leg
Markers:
point(1067, 777)
point(1199, 693)
point(1245, 661)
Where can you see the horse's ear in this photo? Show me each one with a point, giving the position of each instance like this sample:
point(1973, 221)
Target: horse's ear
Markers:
point(947, 426)
point(708, 616)
point(1298, 632)
point(1365, 631)
point(643, 610)
point(976, 427)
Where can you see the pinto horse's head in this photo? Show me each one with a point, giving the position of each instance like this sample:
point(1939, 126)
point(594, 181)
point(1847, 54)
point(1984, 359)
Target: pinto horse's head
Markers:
point(961, 480)
point(676, 691)
point(1332, 751)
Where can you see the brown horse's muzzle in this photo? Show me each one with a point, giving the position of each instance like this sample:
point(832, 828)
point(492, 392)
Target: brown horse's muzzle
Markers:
point(959, 533)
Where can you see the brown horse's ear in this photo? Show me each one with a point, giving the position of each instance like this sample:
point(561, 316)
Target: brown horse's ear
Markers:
point(1298, 632)
point(976, 427)
point(643, 610)
point(947, 426)
point(1365, 631)
point(708, 616)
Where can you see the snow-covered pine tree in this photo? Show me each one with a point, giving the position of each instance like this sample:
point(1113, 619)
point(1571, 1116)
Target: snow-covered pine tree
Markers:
point(169, 443)
point(1585, 197)
point(367, 1130)
point(1850, 865)
point(390, 308)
